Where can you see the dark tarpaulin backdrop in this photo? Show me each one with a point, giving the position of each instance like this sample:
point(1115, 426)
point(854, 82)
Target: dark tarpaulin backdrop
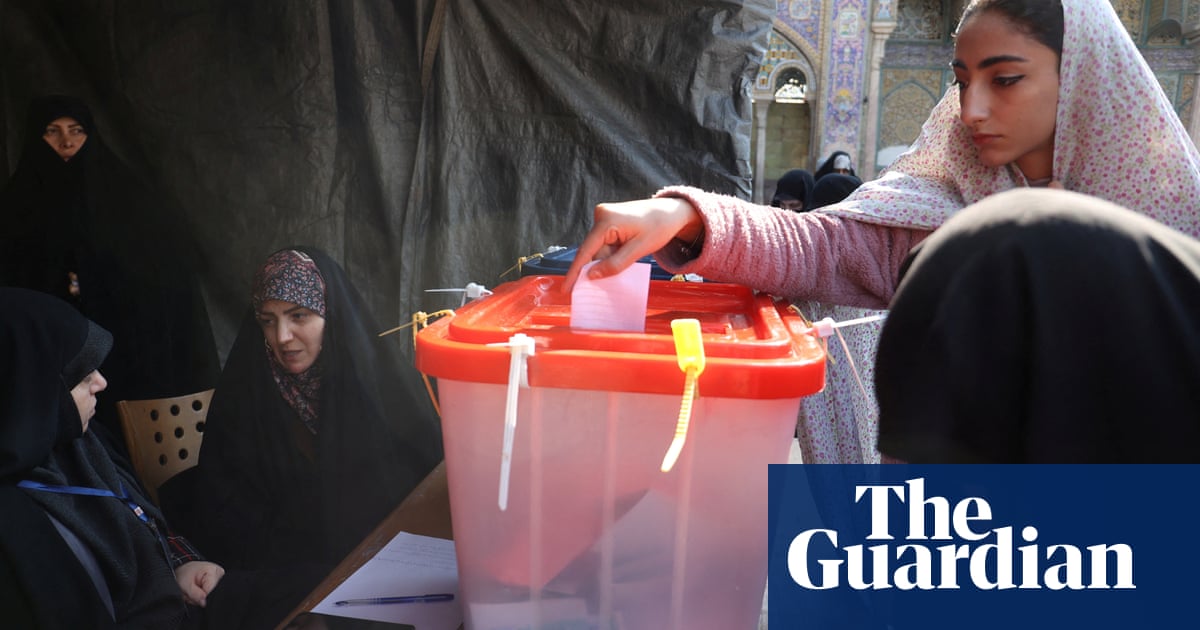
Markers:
point(276, 123)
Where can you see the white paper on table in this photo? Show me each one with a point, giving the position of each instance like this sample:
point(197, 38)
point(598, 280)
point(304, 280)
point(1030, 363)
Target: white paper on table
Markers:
point(408, 565)
point(614, 303)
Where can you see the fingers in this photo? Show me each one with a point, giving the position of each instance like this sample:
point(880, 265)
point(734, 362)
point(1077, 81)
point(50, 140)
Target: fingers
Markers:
point(610, 259)
point(197, 579)
point(624, 232)
point(1055, 184)
point(195, 595)
point(620, 257)
point(595, 240)
point(209, 579)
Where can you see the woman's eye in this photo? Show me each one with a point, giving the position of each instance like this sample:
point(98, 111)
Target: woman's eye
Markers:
point(959, 83)
point(1007, 81)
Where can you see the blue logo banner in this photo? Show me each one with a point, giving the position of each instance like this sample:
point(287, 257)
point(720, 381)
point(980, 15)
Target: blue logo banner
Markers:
point(907, 547)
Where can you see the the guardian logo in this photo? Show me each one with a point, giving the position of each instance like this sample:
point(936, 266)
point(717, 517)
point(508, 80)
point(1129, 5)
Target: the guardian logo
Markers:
point(961, 547)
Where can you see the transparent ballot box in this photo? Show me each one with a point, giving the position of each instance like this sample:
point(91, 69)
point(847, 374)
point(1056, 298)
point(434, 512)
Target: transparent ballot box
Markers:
point(593, 533)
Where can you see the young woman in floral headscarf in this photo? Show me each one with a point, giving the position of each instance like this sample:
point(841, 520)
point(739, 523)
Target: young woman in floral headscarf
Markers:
point(312, 438)
point(1046, 94)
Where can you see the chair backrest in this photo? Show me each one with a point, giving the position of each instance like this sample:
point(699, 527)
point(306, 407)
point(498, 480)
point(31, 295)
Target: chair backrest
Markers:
point(163, 435)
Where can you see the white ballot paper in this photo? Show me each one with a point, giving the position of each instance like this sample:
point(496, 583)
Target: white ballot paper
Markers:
point(616, 303)
point(418, 572)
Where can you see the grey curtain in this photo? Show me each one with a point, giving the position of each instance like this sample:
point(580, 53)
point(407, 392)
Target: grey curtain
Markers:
point(276, 123)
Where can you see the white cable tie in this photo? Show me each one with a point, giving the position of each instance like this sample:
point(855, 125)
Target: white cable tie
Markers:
point(520, 347)
point(827, 326)
point(853, 368)
point(476, 291)
point(861, 320)
point(472, 291)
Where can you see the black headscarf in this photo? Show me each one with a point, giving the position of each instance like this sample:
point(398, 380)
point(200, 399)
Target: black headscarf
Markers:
point(827, 166)
point(47, 109)
point(135, 263)
point(1044, 326)
point(797, 185)
point(833, 188)
point(271, 492)
point(45, 344)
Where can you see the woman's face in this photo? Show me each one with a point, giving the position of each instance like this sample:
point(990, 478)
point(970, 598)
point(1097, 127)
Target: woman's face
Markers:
point(1008, 89)
point(66, 136)
point(84, 395)
point(293, 334)
point(791, 203)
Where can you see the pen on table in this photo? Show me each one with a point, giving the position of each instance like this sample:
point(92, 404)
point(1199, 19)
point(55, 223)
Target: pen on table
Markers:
point(404, 599)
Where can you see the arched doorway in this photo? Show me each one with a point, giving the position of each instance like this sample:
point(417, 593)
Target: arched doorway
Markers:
point(782, 137)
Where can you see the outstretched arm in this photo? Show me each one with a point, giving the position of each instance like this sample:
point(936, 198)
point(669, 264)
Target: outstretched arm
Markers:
point(809, 255)
point(624, 232)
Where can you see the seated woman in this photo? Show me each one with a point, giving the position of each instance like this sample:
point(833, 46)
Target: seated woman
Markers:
point(1044, 327)
point(80, 545)
point(312, 437)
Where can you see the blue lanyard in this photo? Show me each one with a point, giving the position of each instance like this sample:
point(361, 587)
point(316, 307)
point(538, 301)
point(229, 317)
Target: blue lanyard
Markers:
point(91, 492)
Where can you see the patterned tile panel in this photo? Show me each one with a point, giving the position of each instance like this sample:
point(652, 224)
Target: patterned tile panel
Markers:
point(920, 20)
point(909, 96)
point(845, 66)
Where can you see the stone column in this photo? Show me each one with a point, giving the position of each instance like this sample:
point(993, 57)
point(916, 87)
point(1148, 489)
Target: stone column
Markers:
point(761, 105)
point(882, 25)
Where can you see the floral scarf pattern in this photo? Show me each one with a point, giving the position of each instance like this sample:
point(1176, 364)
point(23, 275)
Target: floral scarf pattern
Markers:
point(292, 276)
point(301, 391)
point(1117, 138)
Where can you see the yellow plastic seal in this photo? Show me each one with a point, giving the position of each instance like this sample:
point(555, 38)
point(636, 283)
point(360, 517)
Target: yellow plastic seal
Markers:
point(689, 351)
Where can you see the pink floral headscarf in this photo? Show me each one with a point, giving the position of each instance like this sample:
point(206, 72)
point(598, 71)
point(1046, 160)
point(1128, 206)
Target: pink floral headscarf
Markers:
point(1117, 138)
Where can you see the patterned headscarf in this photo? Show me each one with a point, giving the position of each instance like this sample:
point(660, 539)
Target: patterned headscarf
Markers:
point(292, 276)
point(1117, 137)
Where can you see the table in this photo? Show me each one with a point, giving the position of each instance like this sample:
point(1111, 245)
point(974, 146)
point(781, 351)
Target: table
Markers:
point(425, 511)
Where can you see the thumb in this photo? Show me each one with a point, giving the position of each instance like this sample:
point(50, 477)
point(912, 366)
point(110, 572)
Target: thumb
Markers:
point(193, 594)
point(611, 266)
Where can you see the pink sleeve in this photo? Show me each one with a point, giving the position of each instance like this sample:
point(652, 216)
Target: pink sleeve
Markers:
point(799, 255)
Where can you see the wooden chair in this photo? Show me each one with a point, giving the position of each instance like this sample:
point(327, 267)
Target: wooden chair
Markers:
point(163, 435)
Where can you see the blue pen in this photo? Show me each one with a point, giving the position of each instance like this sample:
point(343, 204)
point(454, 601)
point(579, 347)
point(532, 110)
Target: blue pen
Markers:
point(406, 599)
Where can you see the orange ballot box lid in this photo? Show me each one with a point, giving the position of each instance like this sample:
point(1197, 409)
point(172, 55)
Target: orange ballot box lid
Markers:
point(754, 346)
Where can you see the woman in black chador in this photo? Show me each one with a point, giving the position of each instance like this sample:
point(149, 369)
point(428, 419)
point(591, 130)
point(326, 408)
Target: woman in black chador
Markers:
point(80, 545)
point(312, 436)
point(76, 223)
